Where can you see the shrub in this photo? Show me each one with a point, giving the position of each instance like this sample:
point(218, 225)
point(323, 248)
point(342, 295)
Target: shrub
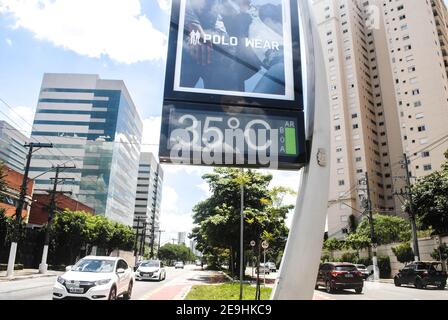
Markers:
point(404, 253)
point(351, 257)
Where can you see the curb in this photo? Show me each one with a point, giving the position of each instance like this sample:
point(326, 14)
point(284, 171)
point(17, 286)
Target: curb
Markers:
point(17, 278)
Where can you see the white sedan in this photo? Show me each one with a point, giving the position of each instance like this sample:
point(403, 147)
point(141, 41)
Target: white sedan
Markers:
point(151, 270)
point(95, 278)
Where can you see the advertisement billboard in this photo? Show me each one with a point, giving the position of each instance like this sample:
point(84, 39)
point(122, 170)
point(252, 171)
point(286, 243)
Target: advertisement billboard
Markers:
point(234, 63)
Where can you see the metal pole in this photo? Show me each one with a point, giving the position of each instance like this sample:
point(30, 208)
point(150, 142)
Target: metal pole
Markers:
point(257, 294)
point(143, 239)
point(300, 264)
point(376, 276)
point(242, 238)
point(136, 241)
point(264, 267)
point(158, 245)
point(411, 212)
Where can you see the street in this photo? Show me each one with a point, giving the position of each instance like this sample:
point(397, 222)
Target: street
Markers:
point(176, 284)
point(384, 291)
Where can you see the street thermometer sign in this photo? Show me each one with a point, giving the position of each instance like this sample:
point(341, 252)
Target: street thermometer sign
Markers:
point(233, 88)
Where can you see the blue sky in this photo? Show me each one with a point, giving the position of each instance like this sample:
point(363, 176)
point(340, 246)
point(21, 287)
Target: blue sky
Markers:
point(117, 39)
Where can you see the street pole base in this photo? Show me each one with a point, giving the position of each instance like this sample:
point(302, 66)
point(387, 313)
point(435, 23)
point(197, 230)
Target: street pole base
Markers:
point(43, 268)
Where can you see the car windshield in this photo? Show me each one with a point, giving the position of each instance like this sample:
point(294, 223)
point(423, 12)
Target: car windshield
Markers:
point(150, 264)
point(94, 265)
point(345, 268)
point(361, 266)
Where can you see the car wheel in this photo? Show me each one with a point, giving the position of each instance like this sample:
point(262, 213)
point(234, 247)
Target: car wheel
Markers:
point(328, 287)
point(358, 290)
point(418, 283)
point(397, 282)
point(442, 286)
point(128, 294)
point(113, 294)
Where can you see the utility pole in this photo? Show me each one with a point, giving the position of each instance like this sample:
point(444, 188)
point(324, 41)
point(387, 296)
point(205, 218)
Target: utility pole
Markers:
point(411, 211)
point(242, 267)
point(143, 239)
point(20, 204)
point(368, 207)
point(43, 267)
point(158, 244)
point(153, 229)
point(136, 240)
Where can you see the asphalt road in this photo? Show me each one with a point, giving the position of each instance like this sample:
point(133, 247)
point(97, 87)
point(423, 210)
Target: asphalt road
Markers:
point(384, 291)
point(41, 288)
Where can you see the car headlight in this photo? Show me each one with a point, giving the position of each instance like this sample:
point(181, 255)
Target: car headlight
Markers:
point(102, 282)
point(61, 280)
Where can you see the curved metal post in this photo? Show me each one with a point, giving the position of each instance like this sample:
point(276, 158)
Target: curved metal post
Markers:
point(301, 260)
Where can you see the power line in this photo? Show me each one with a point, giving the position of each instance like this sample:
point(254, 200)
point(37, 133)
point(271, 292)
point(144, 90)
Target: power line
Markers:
point(31, 126)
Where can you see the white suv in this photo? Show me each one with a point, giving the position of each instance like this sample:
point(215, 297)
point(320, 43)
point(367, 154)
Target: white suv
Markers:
point(95, 278)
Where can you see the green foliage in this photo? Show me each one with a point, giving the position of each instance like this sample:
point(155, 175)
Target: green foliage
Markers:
point(440, 253)
point(404, 253)
point(333, 244)
point(357, 242)
point(72, 230)
point(388, 229)
point(176, 252)
point(430, 200)
point(227, 291)
point(351, 257)
point(218, 217)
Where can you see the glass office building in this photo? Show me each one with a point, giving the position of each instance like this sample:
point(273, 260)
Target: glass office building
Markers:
point(95, 127)
point(12, 147)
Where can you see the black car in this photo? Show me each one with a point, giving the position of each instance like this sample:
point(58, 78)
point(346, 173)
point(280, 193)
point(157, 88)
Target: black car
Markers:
point(336, 276)
point(422, 274)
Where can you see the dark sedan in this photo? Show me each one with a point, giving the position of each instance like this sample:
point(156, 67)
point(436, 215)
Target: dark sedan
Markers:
point(421, 275)
point(337, 276)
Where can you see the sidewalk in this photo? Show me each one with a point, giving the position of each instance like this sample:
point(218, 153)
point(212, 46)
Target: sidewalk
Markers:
point(27, 274)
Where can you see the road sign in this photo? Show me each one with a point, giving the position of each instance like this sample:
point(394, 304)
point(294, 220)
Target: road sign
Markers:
point(253, 243)
point(233, 88)
point(265, 245)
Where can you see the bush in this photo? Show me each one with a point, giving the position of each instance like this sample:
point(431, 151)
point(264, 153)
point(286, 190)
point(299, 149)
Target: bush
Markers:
point(351, 257)
point(404, 253)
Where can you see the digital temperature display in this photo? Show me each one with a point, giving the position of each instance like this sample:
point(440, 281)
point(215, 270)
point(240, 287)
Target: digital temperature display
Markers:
point(232, 136)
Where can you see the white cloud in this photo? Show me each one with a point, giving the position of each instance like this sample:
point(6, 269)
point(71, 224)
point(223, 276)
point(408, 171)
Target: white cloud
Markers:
point(165, 5)
point(151, 135)
point(94, 28)
point(8, 42)
point(172, 220)
point(205, 188)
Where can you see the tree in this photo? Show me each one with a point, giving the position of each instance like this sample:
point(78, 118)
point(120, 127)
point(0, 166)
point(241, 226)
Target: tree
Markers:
point(404, 253)
point(73, 230)
point(218, 217)
point(430, 200)
point(357, 242)
point(441, 254)
point(388, 229)
point(332, 245)
point(176, 252)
